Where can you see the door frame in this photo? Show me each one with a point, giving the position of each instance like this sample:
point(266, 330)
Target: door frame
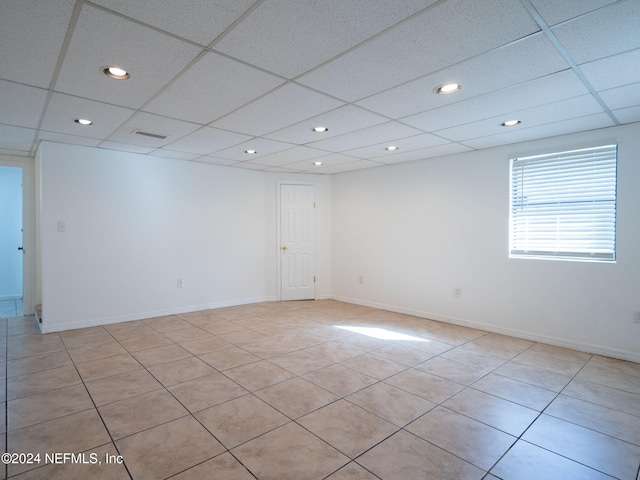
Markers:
point(27, 164)
point(279, 184)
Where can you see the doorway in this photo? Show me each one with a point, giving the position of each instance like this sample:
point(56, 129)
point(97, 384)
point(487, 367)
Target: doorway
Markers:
point(11, 242)
point(297, 242)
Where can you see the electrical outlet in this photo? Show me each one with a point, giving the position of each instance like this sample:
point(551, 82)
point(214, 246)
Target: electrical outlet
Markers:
point(360, 279)
point(180, 283)
point(457, 292)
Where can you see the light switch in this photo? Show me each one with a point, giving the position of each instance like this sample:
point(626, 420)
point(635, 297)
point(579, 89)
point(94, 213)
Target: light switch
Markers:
point(62, 226)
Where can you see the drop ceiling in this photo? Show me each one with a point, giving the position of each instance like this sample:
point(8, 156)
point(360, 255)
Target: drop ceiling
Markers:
point(219, 77)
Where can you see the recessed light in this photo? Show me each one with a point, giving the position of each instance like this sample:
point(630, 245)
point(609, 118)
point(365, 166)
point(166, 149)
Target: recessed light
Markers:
point(317, 164)
point(510, 123)
point(320, 129)
point(250, 152)
point(448, 88)
point(116, 72)
point(83, 121)
point(391, 148)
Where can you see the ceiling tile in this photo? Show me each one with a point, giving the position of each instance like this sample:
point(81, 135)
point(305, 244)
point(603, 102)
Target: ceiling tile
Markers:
point(426, 43)
point(602, 33)
point(207, 140)
point(622, 97)
point(125, 147)
point(628, 115)
point(216, 160)
point(161, 152)
point(424, 153)
point(285, 106)
point(592, 122)
point(349, 167)
point(70, 139)
point(341, 120)
point(213, 86)
point(17, 138)
point(407, 144)
point(63, 109)
point(146, 122)
point(327, 161)
point(262, 146)
point(540, 91)
point(613, 71)
point(102, 39)
point(31, 35)
point(553, 112)
point(200, 21)
point(386, 132)
point(21, 105)
point(292, 155)
point(532, 57)
point(554, 11)
point(289, 37)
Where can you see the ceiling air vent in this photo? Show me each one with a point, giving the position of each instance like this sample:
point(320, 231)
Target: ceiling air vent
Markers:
point(148, 134)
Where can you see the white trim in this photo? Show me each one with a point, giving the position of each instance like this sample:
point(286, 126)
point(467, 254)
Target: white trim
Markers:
point(551, 340)
point(150, 314)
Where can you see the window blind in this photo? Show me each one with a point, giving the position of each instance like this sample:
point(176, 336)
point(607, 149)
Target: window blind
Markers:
point(563, 205)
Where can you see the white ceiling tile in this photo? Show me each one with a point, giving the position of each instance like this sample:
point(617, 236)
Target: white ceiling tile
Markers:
point(200, 21)
point(621, 97)
point(339, 121)
point(532, 57)
point(282, 170)
point(584, 105)
point(424, 153)
point(212, 87)
point(554, 11)
point(247, 166)
point(207, 140)
point(17, 138)
point(286, 157)
point(69, 139)
point(102, 39)
point(628, 115)
point(540, 91)
point(21, 105)
point(407, 144)
point(613, 71)
point(448, 33)
point(217, 161)
point(125, 147)
point(289, 37)
point(31, 35)
point(592, 122)
point(602, 33)
point(262, 146)
point(330, 160)
point(63, 109)
point(285, 106)
point(349, 167)
point(386, 132)
point(154, 124)
point(161, 152)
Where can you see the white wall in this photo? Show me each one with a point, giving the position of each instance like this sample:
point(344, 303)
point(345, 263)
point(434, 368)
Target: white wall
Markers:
point(10, 232)
point(415, 231)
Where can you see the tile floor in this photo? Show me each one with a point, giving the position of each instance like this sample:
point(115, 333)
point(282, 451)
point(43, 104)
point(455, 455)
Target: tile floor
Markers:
point(11, 308)
point(282, 391)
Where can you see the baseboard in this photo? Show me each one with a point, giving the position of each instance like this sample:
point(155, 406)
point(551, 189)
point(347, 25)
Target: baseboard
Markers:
point(95, 322)
point(535, 337)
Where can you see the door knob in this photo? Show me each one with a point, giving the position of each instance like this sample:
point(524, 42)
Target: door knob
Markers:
point(21, 248)
point(285, 247)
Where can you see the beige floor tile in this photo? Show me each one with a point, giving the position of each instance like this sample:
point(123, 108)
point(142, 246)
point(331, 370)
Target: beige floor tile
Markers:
point(141, 412)
point(38, 363)
point(95, 338)
point(474, 358)
point(610, 378)
point(222, 467)
point(94, 465)
point(206, 344)
point(454, 371)
point(180, 371)
point(335, 351)
point(516, 391)
point(296, 397)
point(500, 345)
point(22, 346)
point(391, 403)
point(167, 324)
point(221, 327)
point(168, 449)
point(143, 343)
point(425, 385)
point(73, 433)
point(301, 340)
point(96, 352)
point(534, 376)
point(595, 417)
point(163, 354)
point(300, 362)
point(561, 354)
point(405, 456)
point(258, 375)
point(240, 337)
point(240, 420)
point(606, 396)
point(341, 381)
point(374, 366)
point(353, 471)
point(229, 358)
point(205, 392)
point(528, 462)
point(118, 387)
point(542, 360)
point(289, 452)
point(493, 411)
point(47, 406)
point(129, 330)
point(107, 367)
point(462, 436)
point(184, 334)
point(33, 383)
point(454, 334)
point(406, 355)
point(614, 365)
point(269, 347)
point(600, 452)
point(347, 427)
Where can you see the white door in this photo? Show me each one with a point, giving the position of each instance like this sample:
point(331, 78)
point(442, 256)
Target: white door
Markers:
point(297, 233)
point(11, 248)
